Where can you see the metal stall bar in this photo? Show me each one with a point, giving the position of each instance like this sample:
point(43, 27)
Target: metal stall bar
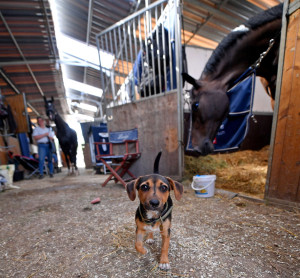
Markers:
point(164, 51)
point(112, 73)
point(136, 55)
point(170, 48)
point(148, 89)
point(158, 50)
point(122, 58)
point(178, 48)
point(131, 55)
point(141, 47)
point(152, 53)
point(101, 76)
point(116, 63)
point(126, 54)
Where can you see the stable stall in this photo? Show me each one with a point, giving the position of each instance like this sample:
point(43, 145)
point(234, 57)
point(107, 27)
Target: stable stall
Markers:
point(144, 84)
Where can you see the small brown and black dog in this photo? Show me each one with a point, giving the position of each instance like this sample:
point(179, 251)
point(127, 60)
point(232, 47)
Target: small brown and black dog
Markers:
point(155, 210)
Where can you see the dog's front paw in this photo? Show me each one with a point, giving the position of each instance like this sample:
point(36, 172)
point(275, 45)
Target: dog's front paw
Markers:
point(164, 266)
point(150, 241)
point(142, 250)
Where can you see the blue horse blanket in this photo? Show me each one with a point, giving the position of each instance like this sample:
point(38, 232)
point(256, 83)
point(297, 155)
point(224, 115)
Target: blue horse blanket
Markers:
point(234, 128)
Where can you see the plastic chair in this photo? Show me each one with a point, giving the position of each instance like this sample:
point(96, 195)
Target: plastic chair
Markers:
point(123, 152)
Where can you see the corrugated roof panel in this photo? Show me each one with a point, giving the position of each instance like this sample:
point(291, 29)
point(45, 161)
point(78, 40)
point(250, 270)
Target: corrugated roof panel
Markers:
point(29, 51)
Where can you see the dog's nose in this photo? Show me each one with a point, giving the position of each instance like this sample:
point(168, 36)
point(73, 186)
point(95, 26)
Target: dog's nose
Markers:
point(154, 203)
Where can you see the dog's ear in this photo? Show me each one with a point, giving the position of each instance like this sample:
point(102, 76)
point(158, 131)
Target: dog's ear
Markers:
point(177, 187)
point(131, 188)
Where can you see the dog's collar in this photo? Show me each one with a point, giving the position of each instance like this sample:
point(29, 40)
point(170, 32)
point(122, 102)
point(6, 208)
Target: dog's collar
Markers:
point(166, 212)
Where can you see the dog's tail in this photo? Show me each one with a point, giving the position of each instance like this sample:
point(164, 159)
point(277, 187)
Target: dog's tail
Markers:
point(156, 163)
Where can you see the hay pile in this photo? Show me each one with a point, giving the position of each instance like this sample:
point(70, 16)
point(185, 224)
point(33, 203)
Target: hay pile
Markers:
point(242, 171)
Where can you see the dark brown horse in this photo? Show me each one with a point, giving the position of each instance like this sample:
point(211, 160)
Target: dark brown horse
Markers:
point(238, 51)
point(67, 137)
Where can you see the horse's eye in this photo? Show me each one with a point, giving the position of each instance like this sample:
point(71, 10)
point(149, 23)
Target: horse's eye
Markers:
point(163, 188)
point(145, 187)
point(195, 106)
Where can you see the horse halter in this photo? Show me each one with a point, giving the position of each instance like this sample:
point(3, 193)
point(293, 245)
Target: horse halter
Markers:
point(50, 110)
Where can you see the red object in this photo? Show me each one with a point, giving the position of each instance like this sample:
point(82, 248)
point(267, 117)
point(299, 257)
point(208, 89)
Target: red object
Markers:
point(96, 201)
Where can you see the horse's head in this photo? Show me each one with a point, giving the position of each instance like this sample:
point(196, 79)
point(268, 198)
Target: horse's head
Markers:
point(209, 107)
point(50, 109)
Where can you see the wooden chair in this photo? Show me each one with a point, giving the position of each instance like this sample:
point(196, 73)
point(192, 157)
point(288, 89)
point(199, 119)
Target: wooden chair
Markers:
point(123, 152)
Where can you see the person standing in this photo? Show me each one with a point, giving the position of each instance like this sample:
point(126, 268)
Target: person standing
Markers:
point(43, 135)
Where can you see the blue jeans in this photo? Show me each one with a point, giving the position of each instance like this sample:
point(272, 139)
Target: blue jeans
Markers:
point(44, 152)
point(54, 157)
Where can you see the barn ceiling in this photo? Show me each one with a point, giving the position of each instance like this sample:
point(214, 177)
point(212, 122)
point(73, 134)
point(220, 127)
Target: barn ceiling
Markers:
point(30, 63)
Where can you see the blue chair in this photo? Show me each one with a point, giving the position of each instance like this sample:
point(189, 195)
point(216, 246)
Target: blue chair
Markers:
point(123, 151)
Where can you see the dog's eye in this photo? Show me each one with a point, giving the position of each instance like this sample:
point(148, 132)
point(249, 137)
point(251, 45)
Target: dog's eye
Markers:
point(163, 188)
point(145, 187)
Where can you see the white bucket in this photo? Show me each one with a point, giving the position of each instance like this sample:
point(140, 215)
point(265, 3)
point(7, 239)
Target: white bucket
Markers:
point(8, 172)
point(204, 185)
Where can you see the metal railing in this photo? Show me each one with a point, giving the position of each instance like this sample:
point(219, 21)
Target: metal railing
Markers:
point(144, 52)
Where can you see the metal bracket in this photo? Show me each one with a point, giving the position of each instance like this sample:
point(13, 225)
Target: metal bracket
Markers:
point(294, 6)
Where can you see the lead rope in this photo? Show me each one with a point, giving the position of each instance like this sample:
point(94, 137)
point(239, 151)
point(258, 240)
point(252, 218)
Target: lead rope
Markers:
point(257, 65)
point(191, 123)
point(262, 55)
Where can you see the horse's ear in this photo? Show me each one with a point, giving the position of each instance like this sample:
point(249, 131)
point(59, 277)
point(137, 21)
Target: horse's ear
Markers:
point(52, 99)
point(45, 99)
point(190, 80)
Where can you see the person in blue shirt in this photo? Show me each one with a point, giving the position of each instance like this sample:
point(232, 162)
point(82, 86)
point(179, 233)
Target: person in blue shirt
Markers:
point(43, 136)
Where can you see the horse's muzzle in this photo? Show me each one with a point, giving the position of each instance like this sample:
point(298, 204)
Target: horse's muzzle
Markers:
point(51, 116)
point(206, 148)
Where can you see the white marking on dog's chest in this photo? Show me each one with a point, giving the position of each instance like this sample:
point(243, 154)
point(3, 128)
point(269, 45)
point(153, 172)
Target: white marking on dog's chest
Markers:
point(152, 214)
point(151, 229)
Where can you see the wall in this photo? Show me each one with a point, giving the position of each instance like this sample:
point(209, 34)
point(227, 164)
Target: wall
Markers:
point(87, 156)
point(283, 181)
